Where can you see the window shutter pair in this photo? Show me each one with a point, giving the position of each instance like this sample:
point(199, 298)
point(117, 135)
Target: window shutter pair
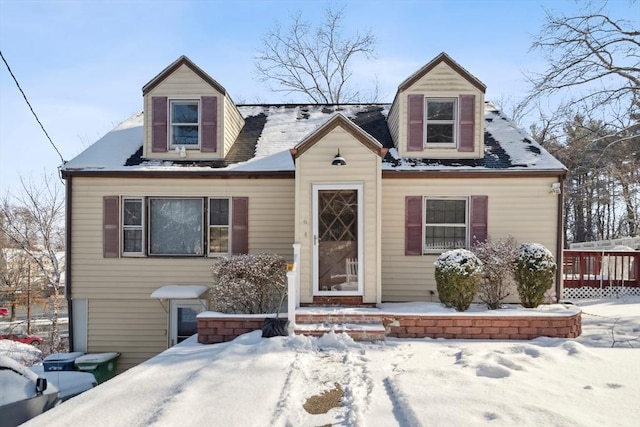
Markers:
point(208, 126)
point(416, 118)
point(112, 232)
point(414, 227)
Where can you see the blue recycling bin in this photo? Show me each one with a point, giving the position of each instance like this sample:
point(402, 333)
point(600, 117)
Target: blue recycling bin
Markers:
point(61, 361)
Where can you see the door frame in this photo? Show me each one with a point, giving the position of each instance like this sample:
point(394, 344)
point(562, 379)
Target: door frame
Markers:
point(174, 304)
point(359, 187)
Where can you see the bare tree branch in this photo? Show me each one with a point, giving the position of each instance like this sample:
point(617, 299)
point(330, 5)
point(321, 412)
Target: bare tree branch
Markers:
point(314, 62)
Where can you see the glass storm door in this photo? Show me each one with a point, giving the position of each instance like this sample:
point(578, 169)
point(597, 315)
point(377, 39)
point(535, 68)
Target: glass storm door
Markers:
point(182, 320)
point(336, 239)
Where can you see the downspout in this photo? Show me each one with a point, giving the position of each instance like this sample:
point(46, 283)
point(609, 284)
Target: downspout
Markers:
point(68, 263)
point(560, 239)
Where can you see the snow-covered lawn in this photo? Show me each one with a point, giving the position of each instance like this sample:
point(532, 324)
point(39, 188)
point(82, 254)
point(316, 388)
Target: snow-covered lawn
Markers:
point(422, 382)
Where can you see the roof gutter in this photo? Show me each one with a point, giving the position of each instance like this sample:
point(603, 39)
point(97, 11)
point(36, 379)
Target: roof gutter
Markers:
point(68, 263)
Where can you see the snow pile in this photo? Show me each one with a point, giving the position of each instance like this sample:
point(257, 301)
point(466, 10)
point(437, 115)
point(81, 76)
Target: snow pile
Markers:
point(253, 381)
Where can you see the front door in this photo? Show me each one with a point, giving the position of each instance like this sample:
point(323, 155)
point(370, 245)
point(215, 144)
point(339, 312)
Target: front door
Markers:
point(182, 319)
point(337, 235)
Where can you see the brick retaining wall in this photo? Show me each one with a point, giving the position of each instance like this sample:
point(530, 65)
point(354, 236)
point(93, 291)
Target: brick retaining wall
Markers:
point(483, 327)
point(212, 330)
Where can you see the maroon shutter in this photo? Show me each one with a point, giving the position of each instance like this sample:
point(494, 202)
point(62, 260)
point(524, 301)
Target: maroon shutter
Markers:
point(467, 122)
point(240, 226)
point(209, 116)
point(413, 225)
point(479, 213)
point(415, 114)
point(159, 124)
point(111, 227)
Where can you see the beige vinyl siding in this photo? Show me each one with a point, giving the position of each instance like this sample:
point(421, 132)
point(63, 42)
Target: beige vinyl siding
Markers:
point(314, 167)
point(441, 82)
point(521, 207)
point(271, 218)
point(393, 122)
point(185, 84)
point(136, 328)
point(232, 123)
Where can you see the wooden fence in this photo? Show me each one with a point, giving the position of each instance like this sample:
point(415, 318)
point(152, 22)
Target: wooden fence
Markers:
point(611, 271)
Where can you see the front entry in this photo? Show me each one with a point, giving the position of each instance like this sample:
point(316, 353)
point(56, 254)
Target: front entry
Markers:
point(337, 239)
point(182, 319)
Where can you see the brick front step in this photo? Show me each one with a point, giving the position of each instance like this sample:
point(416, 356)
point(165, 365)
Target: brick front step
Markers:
point(357, 331)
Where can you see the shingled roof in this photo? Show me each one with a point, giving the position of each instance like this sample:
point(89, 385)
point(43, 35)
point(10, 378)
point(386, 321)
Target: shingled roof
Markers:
point(270, 131)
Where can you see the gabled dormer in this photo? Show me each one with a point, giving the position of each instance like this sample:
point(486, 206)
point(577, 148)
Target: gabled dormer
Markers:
point(188, 115)
point(438, 113)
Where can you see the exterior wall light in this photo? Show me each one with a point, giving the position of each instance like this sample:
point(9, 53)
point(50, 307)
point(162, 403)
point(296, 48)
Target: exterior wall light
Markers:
point(338, 160)
point(555, 188)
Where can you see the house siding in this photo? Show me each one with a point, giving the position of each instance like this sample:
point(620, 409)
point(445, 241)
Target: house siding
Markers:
point(363, 166)
point(117, 289)
point(441, 81)
point(135, 328)
point(520, 207)
point(185, 84)
point(233, 123)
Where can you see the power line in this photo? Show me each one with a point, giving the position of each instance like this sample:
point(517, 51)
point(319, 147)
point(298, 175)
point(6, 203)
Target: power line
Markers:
point(30, 107)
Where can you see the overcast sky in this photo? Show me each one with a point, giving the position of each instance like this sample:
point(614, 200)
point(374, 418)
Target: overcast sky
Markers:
point(82, 64)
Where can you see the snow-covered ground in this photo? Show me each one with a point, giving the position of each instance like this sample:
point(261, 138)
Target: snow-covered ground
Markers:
point(593, 380)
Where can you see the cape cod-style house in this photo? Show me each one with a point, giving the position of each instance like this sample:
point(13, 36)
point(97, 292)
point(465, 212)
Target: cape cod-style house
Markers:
point(371, 193)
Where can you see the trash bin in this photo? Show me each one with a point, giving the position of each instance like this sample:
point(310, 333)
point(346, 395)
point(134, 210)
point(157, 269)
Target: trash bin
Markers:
point(101, 365)
point(61, 361)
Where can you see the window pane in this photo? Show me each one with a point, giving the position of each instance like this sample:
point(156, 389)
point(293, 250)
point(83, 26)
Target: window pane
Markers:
point(184, 112)
point(185, 135)
point(132, 240)
point(219, 212)
point(175, 226)
point(445, 237)
point(446, 212)
point(132, 214)
point(219, 240)
point(440, 133)
point(440, 110)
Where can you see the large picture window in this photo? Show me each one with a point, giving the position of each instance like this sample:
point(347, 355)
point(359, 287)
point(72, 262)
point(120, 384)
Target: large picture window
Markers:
point(132, 226)
point(184, 118)
point(219, 221)
point(176, 226)
point(446, 222)
point(440, 122)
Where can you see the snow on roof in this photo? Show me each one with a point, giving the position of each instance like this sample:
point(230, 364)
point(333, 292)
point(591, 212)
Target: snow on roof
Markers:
point(179, 292)
point(277, 128)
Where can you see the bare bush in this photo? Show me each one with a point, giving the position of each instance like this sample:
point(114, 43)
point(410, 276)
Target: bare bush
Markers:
point(249, 284)
point(498, 258)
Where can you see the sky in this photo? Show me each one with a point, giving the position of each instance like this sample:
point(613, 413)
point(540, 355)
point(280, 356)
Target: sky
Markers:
point(589, 381)
point(82, 64)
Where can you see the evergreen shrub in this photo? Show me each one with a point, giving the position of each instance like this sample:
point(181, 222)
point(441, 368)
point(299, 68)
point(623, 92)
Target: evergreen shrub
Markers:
point(458, 273)
point(535, 268)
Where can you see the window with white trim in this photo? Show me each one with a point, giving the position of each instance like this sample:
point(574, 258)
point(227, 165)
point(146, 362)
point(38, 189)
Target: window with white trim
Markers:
point(176, 226)
point(446, 223)
point(441, 122)
point(219, 226)
point(184, 119)
point(132, 226)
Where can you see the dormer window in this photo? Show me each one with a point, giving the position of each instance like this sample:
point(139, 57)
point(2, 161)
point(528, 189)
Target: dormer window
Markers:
point(441, 122)
point(184, 123)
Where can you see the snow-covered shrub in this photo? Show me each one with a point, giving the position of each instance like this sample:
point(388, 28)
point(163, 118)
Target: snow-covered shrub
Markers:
point(250, 284)
point(534, 270)
point(498, 258)
point(458, 273)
